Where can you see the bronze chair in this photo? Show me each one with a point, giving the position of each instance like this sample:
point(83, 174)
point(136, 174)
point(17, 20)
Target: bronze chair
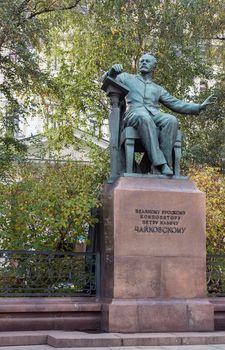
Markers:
point(130, 142)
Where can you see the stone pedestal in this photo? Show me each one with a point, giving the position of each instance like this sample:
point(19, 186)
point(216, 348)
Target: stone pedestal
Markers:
point(154, 257)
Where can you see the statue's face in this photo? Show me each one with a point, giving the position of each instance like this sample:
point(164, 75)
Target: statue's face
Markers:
point(147, 63)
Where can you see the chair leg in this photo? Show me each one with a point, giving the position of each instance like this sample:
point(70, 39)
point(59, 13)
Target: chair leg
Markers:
point(177, 154)
point(129, 151)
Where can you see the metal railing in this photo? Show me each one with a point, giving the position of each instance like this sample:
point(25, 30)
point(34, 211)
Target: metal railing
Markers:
point(44, 273)
point(216, 275)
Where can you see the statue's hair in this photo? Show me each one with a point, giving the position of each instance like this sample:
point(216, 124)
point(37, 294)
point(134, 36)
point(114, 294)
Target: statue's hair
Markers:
point(152, 55)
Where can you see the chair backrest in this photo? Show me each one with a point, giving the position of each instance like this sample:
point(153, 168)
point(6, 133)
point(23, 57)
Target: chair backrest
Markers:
point(116, 92)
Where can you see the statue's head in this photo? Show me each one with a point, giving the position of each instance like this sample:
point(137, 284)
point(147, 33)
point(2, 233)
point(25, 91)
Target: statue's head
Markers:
point(147, 63)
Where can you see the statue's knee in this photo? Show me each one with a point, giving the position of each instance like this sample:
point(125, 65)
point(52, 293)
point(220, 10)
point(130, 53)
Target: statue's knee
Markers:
point(173, 121)
point(144, 119)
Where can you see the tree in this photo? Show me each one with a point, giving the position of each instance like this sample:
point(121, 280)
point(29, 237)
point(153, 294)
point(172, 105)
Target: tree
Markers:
point(61, 215)
point(106, 32)
point(25, 80)
point(86, 38)
point(49, 207)
point(212, 182)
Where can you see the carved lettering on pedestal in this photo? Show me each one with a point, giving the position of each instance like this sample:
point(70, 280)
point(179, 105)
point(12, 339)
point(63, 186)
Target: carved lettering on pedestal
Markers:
point(160, 221)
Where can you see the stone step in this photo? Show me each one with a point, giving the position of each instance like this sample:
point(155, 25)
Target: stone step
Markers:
point(67, 314)
point(45, 347)
point(23, 338)
point(184, 347)
point(81, 339)
point(61, 339)
point(219, 312)
point(33, 314)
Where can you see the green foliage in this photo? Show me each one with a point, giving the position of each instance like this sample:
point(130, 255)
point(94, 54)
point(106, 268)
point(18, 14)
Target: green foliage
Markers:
point(86, 37)
point(203, 140)
point(48, 207)
point(25, 82)
point(212, 182)
point(185, 36)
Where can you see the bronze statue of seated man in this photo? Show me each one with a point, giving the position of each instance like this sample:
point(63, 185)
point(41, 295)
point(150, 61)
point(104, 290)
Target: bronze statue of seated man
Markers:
point(144, 115)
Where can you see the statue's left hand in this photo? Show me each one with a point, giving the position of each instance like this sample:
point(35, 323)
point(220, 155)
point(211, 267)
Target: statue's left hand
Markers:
point(209, 101)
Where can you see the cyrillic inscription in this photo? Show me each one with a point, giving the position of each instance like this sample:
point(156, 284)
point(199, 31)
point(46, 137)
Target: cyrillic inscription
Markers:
point(160, 221)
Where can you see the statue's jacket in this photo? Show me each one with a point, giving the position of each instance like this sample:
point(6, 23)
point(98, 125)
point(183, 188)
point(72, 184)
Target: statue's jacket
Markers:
point(147, 94)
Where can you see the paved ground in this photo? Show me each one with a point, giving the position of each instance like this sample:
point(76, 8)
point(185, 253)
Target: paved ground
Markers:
point(178, 347)
point(62, 340)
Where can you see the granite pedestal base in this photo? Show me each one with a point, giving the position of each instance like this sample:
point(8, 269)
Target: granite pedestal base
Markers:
point(153, 257)
point(154, 315)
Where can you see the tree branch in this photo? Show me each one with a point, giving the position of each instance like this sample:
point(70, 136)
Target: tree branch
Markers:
point(23, 5)
point(46, 10)
point(5, 32)
point(219, 38)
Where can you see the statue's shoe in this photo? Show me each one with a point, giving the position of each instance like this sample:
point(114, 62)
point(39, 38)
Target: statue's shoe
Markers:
point(165, 170)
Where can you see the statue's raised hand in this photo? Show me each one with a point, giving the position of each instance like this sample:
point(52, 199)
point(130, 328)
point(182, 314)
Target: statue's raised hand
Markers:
point(116, 69)
point(209, 101)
